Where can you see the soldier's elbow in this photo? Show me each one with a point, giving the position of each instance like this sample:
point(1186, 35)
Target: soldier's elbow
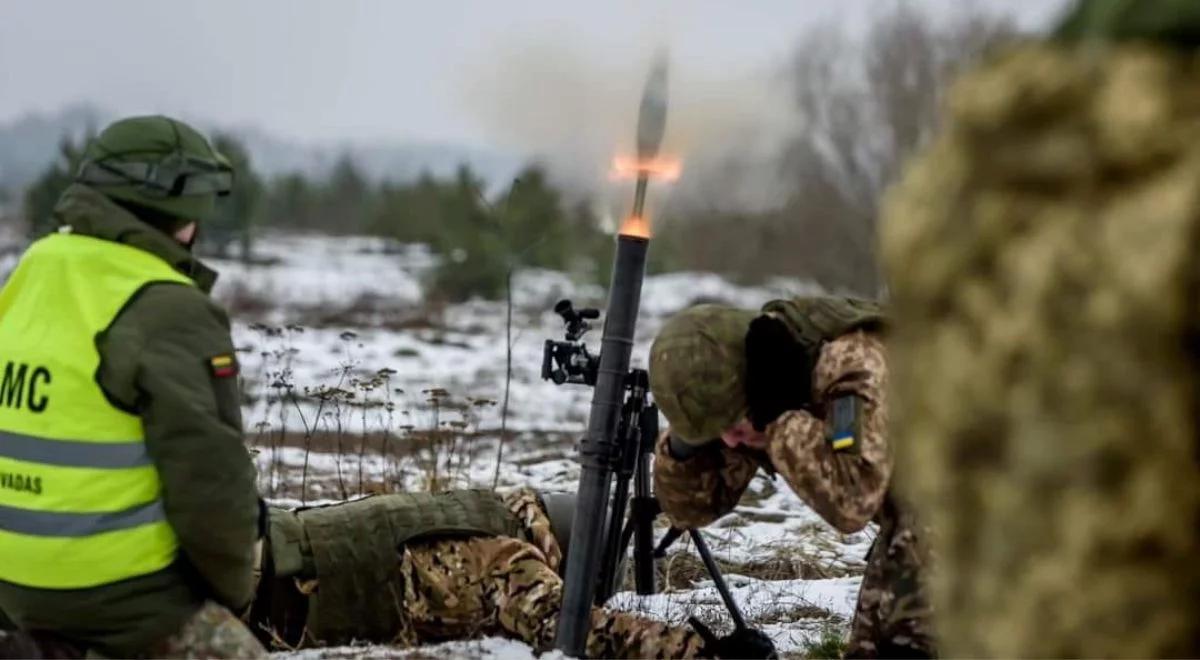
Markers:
point(692, 519)
point(853, 516)
point(850, 524)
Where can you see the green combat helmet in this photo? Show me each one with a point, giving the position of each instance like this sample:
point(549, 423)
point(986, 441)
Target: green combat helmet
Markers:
point(698, 370)
point(157, 163)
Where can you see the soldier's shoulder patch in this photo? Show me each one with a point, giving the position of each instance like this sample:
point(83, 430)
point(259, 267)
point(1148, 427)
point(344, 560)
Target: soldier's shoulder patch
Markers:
point(843, 443)
point(223, 366)
point(844, 427)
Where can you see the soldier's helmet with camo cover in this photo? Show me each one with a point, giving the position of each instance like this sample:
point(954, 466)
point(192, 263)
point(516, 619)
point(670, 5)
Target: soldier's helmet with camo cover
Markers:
point(157, 163)
point(698, 370)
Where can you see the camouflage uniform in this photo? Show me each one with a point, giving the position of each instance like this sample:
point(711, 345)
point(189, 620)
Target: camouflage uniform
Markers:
point(213, 632)
point(462, 588)
point(1043, 262)
point(848, 488)
point(457, 588)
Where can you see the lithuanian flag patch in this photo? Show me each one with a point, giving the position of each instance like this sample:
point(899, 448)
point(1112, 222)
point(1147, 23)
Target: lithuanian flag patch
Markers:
point(223, 366)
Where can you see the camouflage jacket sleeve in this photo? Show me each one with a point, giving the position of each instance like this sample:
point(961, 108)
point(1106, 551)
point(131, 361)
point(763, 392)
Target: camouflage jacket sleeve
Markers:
point(845, 487)
point(157, 362)
point(698, 490)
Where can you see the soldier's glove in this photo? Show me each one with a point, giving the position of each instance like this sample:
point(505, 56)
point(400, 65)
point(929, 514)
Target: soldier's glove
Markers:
point(741, 643)
point(778, 372)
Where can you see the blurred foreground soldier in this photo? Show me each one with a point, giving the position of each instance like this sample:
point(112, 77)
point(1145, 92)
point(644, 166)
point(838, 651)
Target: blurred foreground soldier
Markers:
point(413, 569)
point(1044, 262)
point(798, 389)
point(128, 513)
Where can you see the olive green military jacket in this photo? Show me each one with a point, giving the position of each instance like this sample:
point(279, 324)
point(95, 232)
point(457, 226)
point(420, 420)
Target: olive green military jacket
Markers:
point(156, 361)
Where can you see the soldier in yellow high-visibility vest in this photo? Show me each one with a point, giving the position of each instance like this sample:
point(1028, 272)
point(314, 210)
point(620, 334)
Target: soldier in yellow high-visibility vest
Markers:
point(128, 511)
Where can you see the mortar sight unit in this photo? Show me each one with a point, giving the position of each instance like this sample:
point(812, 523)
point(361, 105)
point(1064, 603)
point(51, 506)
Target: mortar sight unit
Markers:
point(569, 361)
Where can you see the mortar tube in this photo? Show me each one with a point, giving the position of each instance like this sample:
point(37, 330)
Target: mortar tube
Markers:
point(599, 446)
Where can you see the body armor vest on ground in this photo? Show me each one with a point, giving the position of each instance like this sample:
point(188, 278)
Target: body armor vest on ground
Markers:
point(352, 549)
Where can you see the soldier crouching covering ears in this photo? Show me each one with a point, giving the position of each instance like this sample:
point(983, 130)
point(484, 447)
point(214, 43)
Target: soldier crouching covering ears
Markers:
point(797, 389)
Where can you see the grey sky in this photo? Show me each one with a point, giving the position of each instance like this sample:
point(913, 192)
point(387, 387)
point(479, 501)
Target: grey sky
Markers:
point(381, 70)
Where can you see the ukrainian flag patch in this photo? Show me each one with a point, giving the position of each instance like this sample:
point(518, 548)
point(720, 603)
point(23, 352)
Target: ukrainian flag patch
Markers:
point(844, 442)
point(845, 423)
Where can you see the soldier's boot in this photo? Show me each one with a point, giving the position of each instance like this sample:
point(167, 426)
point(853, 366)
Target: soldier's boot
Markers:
point(212, 632)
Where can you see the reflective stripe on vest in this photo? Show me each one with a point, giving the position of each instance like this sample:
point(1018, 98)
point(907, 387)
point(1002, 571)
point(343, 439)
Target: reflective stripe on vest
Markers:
point(80, 500)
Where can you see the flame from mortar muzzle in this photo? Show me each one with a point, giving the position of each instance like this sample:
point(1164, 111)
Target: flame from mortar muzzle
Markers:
point(652, 115)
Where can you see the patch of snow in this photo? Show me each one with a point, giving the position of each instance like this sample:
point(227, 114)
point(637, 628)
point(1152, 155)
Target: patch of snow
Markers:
point(392, 356)
point(307, 271)
point(797, 610)
point(491, 648)
point(391, 360)
point(11, 245)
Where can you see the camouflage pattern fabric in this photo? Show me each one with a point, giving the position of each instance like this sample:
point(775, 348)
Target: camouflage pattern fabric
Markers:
point(456, 589)
point(524, 504)
point(451, 587)
point(893, 615)
point(213, 632)
point(354, 546)
point(1043, 258)
point(698, 367)
point(848, 488)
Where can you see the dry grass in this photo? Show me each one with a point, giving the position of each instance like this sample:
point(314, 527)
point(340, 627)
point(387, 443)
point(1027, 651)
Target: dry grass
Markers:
point(682, 570)
point(242, 301)
point(380, 440)
point(830, 644)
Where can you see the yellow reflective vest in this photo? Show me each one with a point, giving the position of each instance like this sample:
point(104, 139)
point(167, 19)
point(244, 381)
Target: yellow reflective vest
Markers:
point(80, 500)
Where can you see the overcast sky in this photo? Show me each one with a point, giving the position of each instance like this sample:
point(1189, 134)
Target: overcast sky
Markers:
point(365, 70)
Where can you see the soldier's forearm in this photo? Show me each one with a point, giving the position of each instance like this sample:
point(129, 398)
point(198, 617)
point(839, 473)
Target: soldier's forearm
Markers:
point(698, 490)
point(845, 486)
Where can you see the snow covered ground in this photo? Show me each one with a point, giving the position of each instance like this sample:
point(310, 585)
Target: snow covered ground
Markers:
point(355, 383)
point(429, 381)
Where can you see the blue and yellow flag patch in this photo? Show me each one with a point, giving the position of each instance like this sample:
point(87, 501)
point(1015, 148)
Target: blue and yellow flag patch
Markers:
point(844, 423)
point(843, 442)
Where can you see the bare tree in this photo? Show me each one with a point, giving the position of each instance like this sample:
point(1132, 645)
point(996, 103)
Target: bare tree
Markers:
point(862, 109)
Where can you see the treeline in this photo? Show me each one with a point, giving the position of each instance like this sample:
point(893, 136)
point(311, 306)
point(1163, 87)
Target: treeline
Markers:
point(861, 106)
point(480, 240)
